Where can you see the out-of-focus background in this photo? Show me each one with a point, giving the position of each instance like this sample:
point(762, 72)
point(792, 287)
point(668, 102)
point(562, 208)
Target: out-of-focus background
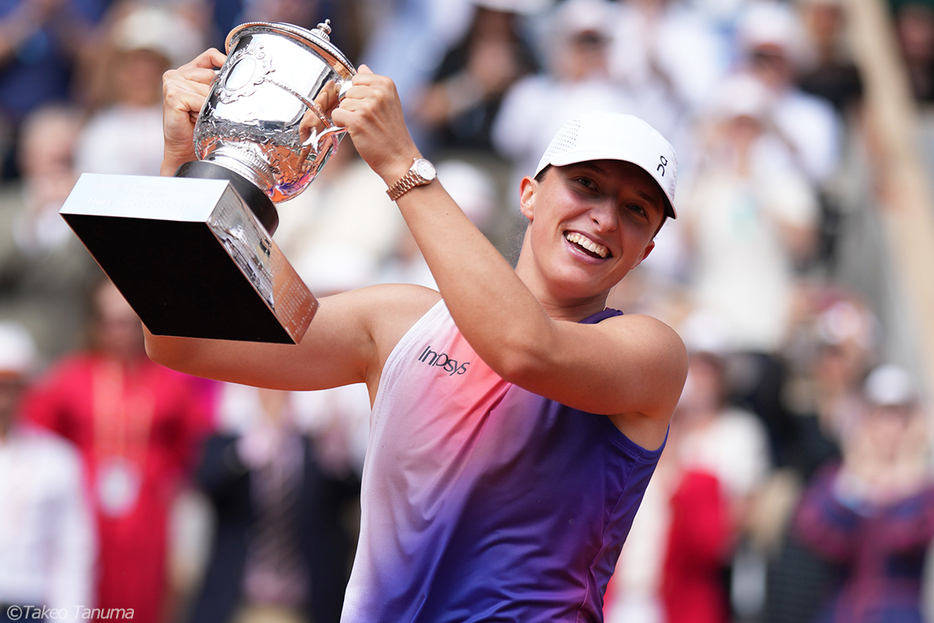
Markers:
point(796, 485)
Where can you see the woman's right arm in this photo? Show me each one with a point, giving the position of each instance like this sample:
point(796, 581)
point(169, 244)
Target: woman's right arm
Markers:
point(347, 342)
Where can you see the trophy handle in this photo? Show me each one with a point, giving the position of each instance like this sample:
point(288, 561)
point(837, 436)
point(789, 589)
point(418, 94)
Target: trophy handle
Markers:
point(315, 139)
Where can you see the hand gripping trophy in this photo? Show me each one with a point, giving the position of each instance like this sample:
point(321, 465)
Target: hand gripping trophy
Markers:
point(193, 254)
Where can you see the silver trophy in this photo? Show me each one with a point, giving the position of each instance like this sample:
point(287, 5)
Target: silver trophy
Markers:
point(193, 254)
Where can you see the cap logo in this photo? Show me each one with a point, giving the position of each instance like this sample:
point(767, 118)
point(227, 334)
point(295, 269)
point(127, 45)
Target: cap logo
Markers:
point(663, 162)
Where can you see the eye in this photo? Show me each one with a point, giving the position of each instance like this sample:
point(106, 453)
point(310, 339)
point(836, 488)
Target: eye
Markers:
point(637, 209)
point(586, 182)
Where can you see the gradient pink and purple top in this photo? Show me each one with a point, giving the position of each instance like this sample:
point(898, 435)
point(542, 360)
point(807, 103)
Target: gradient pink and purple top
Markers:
point(482, 501)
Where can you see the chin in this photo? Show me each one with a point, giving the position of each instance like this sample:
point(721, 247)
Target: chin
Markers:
point(574, 288)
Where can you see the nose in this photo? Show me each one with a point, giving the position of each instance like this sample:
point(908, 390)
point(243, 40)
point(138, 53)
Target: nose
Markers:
point(605, 216)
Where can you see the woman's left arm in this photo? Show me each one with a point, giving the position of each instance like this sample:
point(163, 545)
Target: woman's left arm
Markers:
point(631, 368)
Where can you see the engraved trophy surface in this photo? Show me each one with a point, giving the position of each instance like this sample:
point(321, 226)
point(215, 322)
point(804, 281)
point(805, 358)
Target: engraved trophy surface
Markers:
point(193, 254)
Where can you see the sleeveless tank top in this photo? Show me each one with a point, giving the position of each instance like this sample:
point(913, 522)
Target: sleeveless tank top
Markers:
point(482, 501)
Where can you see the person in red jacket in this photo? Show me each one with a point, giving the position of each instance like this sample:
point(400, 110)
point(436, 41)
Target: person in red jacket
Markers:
point(136, 425)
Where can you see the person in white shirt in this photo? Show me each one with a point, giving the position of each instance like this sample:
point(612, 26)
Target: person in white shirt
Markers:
point(576, 79)
point(47, 545)
point(773, 49)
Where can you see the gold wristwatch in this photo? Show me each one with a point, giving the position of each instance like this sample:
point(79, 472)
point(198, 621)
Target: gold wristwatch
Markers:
point(420, 173)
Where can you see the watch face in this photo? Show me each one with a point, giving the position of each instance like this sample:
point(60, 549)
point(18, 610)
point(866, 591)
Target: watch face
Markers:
point(424, 169)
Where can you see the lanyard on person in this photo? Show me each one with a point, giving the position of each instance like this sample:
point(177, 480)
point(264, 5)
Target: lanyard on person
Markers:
point(122, 406)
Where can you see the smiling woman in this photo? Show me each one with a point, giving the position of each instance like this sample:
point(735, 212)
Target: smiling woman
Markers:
point(504, 383)
point(590, 223)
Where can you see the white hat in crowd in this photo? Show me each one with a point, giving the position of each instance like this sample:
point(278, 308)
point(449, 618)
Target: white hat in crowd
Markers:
point(17, 350)
point(890, 386)
point(742, 95)
point(613, 136)
point(706, 331)
point(769, 23)
point(573, 17)
point(776, 26)
point(159, 29)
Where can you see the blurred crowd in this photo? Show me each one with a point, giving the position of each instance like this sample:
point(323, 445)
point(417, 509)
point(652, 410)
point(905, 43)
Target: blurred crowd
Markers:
point(796, 483)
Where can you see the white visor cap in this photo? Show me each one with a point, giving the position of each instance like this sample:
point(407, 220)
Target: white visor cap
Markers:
point(17, 350)
point(614, 136)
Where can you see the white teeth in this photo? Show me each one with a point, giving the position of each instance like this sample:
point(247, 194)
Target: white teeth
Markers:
point(587, 243)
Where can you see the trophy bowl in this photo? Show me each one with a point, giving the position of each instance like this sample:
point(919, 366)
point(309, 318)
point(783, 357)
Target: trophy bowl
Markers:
point(193, 254)
point(267, 118)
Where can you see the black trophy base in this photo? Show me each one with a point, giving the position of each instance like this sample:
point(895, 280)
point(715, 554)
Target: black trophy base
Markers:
point(190, 258)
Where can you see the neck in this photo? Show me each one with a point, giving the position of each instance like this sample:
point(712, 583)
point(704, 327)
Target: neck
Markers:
point(557, 306)
point(574, 312)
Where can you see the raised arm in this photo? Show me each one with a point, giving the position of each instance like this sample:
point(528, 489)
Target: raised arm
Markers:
point(630, 368)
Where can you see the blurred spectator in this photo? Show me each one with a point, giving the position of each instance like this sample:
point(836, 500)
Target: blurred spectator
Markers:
point(872, 516)
point(774, 49)
point(699, 540)
point(750, 220)
point(40, 41)
point(459, 104)
point(313, 230)
point(576, 79)
point(914, 22)
point(722, 14)
point(45, 272)
point(125, 135)
point(228, 14)
point(46, 532)
point(337, 419)
point(731, 444)
point(671, 57)
point(831, 73)
point(407, 40)
point(304, 13)
point(136, 425)
point(280, 552)
point(726, 440)
point(674, 572)
point(832, 348)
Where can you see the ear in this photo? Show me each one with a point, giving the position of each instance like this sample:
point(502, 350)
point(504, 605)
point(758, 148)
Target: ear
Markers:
point(645, 252)
point(527, 190)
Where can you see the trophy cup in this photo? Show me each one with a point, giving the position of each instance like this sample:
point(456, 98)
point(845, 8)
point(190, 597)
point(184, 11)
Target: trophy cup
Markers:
point(193, 254)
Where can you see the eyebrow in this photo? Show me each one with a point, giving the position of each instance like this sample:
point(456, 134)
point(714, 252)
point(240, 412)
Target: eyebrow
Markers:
point(653, 199)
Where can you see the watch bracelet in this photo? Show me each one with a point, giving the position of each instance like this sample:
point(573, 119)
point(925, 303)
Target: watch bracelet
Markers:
point(406, 183)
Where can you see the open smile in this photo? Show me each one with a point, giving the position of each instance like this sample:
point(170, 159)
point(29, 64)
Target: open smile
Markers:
point(588, 246)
